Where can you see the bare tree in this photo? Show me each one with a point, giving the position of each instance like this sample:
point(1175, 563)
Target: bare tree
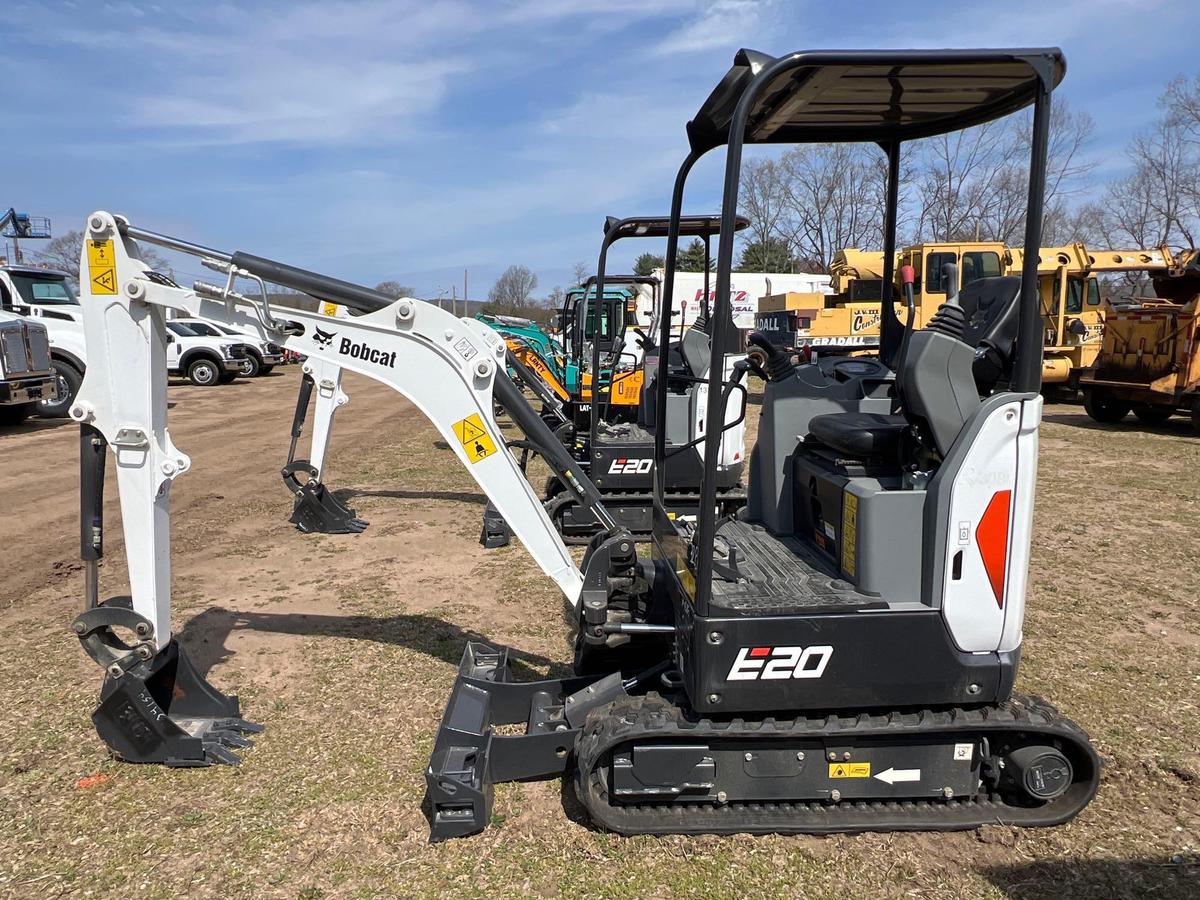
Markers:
point(580, 272)
point(970, 185)
point(762, 198)
point(833, 198)
point(395, 289)
point(64, 251)
point(1159, 201)
point(974, 184)
point(513, 290)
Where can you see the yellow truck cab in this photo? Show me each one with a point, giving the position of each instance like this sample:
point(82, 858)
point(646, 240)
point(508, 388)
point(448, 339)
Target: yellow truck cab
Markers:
point(848, 319)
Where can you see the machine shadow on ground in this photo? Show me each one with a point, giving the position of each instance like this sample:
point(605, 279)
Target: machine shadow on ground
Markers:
point(345, 494)
point(205, 636)
point(1176, 426)
point(1132, 878)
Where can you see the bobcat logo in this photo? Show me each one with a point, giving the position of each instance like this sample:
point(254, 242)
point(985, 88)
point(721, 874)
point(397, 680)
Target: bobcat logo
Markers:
point(323, 338)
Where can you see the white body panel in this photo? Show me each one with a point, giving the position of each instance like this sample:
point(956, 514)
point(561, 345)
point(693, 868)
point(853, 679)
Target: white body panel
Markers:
point(328, 398)
point(443, 365)
point(1002, 457)
point(733, 441)
point(1020, 537)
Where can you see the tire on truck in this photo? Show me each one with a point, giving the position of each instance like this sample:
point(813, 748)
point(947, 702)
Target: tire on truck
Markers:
point(251, 366)
point(1103, 406)
point(203, 371)
point(1149, 414)
point(69, 379)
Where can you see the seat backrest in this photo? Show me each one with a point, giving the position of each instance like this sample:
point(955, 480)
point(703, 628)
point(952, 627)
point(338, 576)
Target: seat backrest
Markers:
point(695, 348)
point(992, 307)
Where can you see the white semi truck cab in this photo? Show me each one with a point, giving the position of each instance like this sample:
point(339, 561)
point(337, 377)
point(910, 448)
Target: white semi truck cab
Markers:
point(45, 296)
point(26, 376)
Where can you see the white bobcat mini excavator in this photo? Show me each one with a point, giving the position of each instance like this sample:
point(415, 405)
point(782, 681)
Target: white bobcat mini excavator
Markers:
point(154, 706)
point(616, 451)
point(840, 655)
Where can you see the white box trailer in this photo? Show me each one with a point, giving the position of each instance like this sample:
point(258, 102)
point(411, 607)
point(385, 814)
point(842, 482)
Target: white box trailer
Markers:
point(746, 289)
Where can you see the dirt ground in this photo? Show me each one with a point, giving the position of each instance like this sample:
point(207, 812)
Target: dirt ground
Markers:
point(345, 648)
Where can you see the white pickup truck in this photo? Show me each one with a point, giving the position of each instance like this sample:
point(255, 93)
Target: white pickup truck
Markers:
point(45, 295)
point(203, 360)
point(261, 356)
point(26, 376)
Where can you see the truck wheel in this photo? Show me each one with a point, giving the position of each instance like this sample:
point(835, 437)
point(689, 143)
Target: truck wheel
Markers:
point(264, 369)
point(228, 377)
point(16, 413)
point(1196, 416)
point(1153, 415)
point(203, 372)
point(251, 367)
point(69, 380)
point(1103, 407)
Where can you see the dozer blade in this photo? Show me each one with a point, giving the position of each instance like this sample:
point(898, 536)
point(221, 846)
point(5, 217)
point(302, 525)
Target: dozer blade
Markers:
point(163, 711)
point(469, 758)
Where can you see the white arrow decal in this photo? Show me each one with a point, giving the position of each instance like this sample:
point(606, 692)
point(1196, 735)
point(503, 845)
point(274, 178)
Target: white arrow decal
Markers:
point(891, 776)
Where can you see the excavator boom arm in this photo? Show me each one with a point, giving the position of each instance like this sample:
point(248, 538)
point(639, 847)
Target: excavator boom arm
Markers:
point(447, 367)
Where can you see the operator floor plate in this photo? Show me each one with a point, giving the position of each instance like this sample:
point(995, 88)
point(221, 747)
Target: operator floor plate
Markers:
point(781, 575)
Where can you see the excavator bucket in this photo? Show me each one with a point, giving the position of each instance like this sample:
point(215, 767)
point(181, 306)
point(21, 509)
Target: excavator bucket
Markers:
point(316, 509)
point(156, 707)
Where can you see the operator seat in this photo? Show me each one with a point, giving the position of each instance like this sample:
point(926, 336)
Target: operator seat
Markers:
point(940, 379)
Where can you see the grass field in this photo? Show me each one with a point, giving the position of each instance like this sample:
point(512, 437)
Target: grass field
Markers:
point(345, 647)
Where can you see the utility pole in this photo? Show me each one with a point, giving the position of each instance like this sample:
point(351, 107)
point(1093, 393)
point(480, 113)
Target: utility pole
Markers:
point(466, 308)
point(454, 300)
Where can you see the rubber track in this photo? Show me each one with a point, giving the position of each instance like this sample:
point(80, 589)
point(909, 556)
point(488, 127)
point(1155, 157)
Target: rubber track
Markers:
point(652, 719)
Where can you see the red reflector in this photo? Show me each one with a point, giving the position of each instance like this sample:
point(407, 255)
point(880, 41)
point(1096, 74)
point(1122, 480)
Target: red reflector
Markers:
point(992, 537)
point(761, 651)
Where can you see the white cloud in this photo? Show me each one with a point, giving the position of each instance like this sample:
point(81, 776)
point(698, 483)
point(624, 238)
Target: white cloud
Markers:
point(725, 24)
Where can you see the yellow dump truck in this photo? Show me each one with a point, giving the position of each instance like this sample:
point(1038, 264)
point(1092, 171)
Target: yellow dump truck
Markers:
point(1072, 308)
point(1149, 361)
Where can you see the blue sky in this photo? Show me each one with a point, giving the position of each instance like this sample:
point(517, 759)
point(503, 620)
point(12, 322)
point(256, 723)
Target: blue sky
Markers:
point(408, 140)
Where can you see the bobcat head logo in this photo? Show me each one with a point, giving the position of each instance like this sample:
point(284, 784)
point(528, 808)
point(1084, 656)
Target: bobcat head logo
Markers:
point(323, 338)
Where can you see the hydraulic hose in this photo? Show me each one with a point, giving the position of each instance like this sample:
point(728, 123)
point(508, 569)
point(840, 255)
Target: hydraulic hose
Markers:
point(550, 448)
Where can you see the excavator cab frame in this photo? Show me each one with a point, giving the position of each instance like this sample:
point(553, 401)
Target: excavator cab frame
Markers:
point(766, 100)
point(773, 687)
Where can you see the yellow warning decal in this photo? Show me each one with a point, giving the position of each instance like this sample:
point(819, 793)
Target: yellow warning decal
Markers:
point(329, 309)
point(474, 438)
point(102, 267)
point(850, 770)
point(849, 533)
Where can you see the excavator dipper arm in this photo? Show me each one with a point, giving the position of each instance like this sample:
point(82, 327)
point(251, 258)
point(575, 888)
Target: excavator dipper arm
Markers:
point(154, 706)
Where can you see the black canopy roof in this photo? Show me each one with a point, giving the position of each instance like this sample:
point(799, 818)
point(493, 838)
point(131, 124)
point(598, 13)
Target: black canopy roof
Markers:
point(650, 226)
point(871, 95)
